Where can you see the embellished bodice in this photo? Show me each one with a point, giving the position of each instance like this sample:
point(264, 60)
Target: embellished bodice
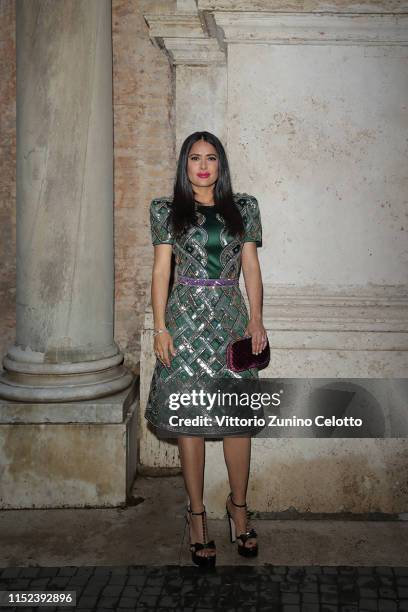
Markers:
point(207, 249)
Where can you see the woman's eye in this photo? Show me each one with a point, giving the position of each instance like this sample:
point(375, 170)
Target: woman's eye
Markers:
point(194, 158)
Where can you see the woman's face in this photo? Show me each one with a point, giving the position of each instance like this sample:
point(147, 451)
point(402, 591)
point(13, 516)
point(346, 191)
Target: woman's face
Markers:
point(202, 165)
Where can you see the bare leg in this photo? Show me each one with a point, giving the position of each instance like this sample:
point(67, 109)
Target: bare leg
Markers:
point(237, 453)
point(192, 457)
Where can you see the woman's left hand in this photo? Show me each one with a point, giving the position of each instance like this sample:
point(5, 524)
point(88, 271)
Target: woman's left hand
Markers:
point(256, 330)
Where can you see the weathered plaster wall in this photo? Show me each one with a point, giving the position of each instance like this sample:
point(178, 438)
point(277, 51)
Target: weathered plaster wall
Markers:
point(321, 133)
point(144, 158)
point(7, 174)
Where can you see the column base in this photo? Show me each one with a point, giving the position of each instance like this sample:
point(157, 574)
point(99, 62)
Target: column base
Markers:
point(29, 377)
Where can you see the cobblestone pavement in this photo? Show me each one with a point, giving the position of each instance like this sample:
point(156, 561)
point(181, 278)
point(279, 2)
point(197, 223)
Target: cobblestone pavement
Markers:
point(227, 588)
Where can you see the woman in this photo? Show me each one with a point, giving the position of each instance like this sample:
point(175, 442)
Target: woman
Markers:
point(213, 233)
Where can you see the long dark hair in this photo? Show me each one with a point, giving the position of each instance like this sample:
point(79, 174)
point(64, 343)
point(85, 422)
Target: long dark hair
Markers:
point(183, 209)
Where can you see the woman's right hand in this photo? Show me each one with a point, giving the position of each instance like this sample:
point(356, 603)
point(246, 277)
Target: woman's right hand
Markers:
point(163, 346)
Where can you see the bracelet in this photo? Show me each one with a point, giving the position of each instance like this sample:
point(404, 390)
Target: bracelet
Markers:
point(159, 331)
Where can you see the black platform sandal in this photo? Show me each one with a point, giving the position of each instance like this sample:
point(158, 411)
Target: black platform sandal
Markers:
point(201, 560)
point(245, 551)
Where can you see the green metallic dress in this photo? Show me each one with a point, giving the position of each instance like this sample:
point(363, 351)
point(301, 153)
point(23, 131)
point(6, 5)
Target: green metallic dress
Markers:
point(202, 320)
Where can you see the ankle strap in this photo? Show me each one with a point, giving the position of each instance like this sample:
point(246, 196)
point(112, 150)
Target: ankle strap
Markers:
point(238, 505)
point(197, 513)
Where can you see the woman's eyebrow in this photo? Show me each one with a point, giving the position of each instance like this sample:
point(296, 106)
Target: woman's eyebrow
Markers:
point(202, 154)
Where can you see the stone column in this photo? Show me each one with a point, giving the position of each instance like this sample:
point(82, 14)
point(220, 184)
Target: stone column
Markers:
point(64, 347)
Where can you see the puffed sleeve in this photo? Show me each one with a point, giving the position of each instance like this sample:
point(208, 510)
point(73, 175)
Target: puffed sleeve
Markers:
point(159, 222)
point(252, 221)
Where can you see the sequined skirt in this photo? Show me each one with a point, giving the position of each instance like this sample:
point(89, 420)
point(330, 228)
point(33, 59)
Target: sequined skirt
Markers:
point(202, 320)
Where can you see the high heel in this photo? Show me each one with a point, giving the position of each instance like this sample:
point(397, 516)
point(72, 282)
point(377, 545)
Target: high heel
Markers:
point(201, 560)
point(245, 551)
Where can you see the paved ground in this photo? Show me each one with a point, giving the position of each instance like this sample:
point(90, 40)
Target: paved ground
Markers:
point(137, 558)
point(290, 589)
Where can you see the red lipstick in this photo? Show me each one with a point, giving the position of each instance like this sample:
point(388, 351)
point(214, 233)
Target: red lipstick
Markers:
point(203, 174)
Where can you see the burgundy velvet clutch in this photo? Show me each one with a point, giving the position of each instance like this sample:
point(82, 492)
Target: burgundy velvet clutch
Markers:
point(240, 356)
